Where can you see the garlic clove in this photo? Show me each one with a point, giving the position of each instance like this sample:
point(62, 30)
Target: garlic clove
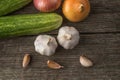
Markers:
point(26, 60)
point(53, 65)
point(85, 61)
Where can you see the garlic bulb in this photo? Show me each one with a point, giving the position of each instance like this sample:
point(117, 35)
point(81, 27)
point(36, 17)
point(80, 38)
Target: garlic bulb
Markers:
point(68, 37)
point(45, 45)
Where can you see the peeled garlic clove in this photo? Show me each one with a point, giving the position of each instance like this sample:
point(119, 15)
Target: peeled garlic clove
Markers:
point(68, 37)
point(45, 45)
point(53, 65)
point(85, 61)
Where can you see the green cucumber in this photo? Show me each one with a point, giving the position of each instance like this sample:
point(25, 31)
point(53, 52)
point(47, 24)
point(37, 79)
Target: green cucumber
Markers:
point(8, 6)
point(29, 24)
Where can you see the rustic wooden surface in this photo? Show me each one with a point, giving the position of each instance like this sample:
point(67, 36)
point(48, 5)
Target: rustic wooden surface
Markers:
point(100, 41)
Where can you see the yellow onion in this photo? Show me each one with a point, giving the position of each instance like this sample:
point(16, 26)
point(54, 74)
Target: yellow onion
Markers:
point(47, 5)
point(76, 10)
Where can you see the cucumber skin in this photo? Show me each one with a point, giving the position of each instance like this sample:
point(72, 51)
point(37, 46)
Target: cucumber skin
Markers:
point(8, 6)
point(29, 24)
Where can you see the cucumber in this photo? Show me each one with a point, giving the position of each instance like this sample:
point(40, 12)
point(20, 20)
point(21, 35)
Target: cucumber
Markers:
point(29, 24)
point(8, 6)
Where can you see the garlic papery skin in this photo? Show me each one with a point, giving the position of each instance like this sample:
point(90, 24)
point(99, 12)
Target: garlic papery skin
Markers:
point(68, 37)
point(45, 45)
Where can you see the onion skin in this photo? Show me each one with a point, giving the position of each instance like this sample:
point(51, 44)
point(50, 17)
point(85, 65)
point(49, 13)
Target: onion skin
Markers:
point(47, 5)
point(76, 10)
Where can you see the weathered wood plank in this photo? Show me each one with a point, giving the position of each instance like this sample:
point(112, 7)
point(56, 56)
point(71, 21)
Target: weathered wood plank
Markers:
point(105, 6)
point(103, 49)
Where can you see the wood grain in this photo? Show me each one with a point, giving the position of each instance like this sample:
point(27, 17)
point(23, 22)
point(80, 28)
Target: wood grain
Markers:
point(103, 49)
point(100, 41)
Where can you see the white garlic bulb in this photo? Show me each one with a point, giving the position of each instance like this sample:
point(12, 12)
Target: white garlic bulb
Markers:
point(45, 45)
point(68, 37)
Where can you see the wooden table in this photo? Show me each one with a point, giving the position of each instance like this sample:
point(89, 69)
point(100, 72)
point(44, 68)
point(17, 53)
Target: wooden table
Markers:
point(100, 41)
